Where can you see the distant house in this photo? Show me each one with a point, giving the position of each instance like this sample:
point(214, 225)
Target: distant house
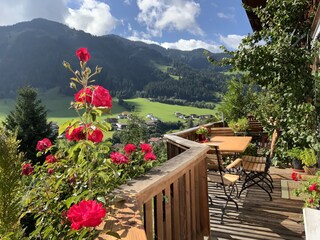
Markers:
point(149, 115)
point(206, 116)
point(121, 126)
point(111, 120)
point(194, 116)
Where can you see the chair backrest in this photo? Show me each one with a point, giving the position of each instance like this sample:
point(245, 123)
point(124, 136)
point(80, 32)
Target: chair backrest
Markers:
point(222, 131)
point(272, 147)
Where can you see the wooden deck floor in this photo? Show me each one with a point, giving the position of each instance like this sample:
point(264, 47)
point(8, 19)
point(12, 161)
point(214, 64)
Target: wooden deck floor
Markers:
point(258, 217)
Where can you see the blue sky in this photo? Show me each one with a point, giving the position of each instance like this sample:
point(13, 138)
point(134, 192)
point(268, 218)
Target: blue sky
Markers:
point(181, 24)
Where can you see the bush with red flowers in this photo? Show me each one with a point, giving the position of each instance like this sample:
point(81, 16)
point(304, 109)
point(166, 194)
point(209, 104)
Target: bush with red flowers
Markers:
point(78, 175)
point(309, 190)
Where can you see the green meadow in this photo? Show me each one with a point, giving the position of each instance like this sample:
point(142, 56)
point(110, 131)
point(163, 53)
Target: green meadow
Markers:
point(59, 111)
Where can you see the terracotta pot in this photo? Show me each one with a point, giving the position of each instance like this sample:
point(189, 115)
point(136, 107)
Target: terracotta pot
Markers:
point(201, 137)
point(310, 170)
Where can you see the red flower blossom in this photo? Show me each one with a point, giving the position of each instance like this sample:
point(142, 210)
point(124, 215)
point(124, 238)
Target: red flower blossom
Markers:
point(44, 144)
point(101, 97)
point(95, 136)
point(313, 187)
point(83, 54)
point(51, 158)
point(82, 96)
point(145, 147)
point(296, 176)
point(86, 214)
point(27, 169)
point(310, 200)
point(50, 171)
point(150, 156)
point(97, 96)
point(119, 158)
point(77, 134)
point(129, 148)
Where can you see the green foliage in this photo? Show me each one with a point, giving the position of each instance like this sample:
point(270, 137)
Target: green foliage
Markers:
point(29, 119)
point(11, 189)
point(278, 59)
point(241, 125)
point(308, 157)
point(239, 100)
point(135, 132)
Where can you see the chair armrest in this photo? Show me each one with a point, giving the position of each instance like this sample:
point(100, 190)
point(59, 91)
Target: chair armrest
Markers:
point(234, 164)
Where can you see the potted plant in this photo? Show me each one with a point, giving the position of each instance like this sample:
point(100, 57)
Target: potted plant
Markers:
point(309, 159)
point(202, 133)
point(239, 126)
point(295, 154)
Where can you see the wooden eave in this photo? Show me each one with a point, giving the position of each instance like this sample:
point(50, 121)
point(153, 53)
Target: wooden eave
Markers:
point(253, 18)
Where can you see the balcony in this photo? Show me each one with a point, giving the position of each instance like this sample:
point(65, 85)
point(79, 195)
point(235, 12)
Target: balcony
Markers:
point(171, 202)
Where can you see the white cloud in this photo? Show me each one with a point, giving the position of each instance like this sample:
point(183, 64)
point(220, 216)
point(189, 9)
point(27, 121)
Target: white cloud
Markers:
point(182, 44)
point(22, 10)
point(158, 15)
point(93, 17)
point(225, 16)
point(231, 40)
point(128, 2)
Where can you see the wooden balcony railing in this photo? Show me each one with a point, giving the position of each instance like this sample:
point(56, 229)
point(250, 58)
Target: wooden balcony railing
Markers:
point(171, 201)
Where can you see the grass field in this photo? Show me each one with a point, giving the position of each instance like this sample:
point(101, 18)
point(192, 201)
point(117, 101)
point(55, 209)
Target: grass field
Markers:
point(58, 108)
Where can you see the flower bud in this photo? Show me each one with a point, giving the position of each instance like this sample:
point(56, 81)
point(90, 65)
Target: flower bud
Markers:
point(66, 65)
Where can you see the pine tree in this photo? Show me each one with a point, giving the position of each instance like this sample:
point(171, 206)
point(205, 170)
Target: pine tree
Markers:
point(10, 182)
point(29, 119)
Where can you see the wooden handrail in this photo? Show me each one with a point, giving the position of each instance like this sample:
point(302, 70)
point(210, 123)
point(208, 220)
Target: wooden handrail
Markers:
point(170, 201)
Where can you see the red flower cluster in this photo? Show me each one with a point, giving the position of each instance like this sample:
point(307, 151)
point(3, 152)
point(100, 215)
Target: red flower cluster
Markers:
point(119, 158)
point(51, 158)
point(77, 134)
point(96, 95)
point(44, 144)
point(296, 176)
point(145, 147)
point(149, 156)
point(27, 169)
point(314, 187)
point(86, 214)
point(83, 54)
point(129, 148)
point(50, 171)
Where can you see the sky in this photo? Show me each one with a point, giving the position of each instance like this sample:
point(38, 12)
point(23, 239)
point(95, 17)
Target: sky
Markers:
point(179, 24)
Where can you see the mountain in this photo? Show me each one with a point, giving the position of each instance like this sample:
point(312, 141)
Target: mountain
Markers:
point(31, 53)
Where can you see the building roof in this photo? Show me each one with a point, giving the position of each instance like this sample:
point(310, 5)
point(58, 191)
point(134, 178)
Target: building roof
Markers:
point(253, 18)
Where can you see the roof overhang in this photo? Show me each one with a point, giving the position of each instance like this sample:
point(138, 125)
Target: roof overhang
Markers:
point(253, 18)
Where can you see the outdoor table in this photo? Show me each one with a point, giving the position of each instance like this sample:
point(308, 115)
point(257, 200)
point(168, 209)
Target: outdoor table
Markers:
point(235, 144)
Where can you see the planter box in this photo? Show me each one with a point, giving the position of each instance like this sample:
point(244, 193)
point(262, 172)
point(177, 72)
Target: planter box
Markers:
point(311, 223)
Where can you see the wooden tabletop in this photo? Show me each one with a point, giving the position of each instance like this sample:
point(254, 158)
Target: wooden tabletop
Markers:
point(237, 144)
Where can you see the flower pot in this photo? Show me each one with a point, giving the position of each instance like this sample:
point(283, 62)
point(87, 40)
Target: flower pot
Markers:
point(201, 137)
point(297, 165)
point(310, 170)
point(311, 223)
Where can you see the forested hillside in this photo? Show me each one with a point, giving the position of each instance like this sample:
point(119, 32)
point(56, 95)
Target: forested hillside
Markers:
point(31, 53)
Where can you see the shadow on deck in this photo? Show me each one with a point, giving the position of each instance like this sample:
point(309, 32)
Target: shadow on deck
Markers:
point(258, 217)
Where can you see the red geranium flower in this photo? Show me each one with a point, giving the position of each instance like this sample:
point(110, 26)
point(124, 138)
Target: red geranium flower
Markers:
point(84, 96)
point(310, 200)
point(313, 187)
point(83, 54)
point(51, 158)
point(101, 97)
point(44, 144)
point(95, 136)
point(150, 156)
point(129, 148)
point(296, 176)
point(50, 171)
point(86, 214)
point(119, 158)
point(145, 147)
point(27, 169)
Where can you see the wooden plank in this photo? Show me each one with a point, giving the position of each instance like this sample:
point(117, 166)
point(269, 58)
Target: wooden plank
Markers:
point(159, 217)
point(193, 204)
point(148, 222)
point(176, 211)
point(188, 206)
point(168, 214)
point(183, 208)
point(197, 191)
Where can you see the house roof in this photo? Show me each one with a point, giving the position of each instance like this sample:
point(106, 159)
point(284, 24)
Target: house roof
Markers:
point(253, 18)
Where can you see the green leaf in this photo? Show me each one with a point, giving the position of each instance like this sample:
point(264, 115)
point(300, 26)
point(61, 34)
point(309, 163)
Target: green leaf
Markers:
point(70, 200)
point(64, 126)
point(47, 231)
point(113, 234)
